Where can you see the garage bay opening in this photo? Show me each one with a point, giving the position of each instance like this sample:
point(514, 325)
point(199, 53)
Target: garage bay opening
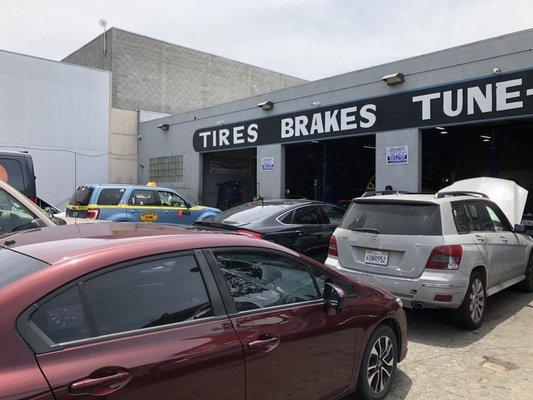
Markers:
point(334, 171)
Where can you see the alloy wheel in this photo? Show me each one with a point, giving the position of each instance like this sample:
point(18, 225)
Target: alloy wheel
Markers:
point(380, 364)
point(477, 300)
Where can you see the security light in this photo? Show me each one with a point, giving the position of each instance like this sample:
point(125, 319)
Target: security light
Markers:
point(266, 105)
point(315, 103)
point(443, 132)
point(440, 128)
point(393, 79)
point(164, 127)
point(485, 136)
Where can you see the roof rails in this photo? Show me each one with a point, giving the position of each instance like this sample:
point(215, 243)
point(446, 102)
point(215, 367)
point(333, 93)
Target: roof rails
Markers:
point(384, 193)
point(441, 195)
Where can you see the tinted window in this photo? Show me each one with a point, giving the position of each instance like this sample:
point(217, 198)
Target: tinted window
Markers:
point(13, 215)
point(390, 218)
point(287, 218)
point(480, 217)
point(460, 217)
point(11, 172)
point(144, 198)
point(110, 197)
point(497, 218)
point(248, 213)
point(333, 214)
point(149, 294)
point(15, 266)
point(307, 216)
point(63, 318)
point(82, 196)
point(260, 279)
point(169, 199)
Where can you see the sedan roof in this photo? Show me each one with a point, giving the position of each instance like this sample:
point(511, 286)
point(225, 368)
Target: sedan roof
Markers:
point(67, 242)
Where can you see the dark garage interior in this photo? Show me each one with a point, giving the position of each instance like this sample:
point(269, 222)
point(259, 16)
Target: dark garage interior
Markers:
point(334, 171)
point(498, 150)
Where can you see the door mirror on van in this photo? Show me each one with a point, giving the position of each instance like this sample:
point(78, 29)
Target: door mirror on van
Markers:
point(334, 298)
point(519, 228)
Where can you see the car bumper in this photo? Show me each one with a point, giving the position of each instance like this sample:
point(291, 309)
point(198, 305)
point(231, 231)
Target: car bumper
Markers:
point(426, 291)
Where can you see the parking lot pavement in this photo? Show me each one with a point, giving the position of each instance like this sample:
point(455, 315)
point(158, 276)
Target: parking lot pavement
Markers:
point(493, 362)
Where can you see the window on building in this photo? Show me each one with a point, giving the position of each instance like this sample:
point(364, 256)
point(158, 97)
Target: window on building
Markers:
point(166, 169)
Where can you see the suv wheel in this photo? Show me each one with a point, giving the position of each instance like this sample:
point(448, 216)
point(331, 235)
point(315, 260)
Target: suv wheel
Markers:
point(378, 366)
point(471, 313)
point(527, 284)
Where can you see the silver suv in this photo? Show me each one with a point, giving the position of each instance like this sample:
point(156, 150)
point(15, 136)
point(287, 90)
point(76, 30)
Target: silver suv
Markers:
point(450, 250)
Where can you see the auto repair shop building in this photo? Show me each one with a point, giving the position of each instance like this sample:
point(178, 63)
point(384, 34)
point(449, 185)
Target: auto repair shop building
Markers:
point(462, 112)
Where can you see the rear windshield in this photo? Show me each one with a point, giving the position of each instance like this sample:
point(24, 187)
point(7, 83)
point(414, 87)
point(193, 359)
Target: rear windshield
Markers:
point(248, 213)
point(15, 266)
point(81, 196)
point(389, 218)
point(11, 172)
point(110, 197)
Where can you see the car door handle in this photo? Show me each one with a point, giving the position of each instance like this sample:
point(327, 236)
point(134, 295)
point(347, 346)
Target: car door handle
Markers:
point(134, 211)
point(265, 345)
point(298, 232)
point(504, 239)
point(101, 386)
point(480, 238)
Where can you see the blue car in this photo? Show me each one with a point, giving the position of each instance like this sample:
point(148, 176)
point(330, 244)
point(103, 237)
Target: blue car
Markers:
point(128, 203)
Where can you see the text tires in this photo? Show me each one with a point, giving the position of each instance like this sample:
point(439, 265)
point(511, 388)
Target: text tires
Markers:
point(471, 313)
point(378, 366)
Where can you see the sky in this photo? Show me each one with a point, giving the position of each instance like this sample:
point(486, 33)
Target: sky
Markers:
point(310, 39)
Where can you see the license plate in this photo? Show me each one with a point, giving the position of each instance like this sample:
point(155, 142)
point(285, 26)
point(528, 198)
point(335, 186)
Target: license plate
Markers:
point(376, 257)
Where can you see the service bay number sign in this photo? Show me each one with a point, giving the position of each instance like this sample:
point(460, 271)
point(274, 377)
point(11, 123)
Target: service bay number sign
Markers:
point(397, 155)
point(267, 164)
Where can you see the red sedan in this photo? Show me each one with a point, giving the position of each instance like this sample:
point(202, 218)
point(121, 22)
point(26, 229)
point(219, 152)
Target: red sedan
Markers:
point(127, 311)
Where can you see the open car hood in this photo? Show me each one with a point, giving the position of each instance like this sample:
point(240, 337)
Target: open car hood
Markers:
point(510, 197)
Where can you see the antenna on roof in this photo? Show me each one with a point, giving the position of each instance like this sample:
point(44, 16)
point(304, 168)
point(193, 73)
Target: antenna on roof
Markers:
point(103, 24)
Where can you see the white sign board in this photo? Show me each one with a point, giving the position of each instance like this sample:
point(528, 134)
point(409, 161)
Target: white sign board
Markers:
point(397, 155)
point(267, 164)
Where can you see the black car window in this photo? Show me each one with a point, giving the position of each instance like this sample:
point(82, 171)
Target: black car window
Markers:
point(333, 214)
point(11, 172)
point(148, 294)
point(461, 217)
point(63, 318)
point(286, 218)
point(309, 215)
point(110, 197)
point(258, 279)
point(480, 217)
point(141, 197)
point(82, 196)
point(169, 199)
point(394, 218)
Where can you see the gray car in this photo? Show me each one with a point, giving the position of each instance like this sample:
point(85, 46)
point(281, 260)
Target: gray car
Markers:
point(434, 251)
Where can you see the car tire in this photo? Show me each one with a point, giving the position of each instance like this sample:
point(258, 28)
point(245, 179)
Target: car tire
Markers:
point(471, 313)
point(527, 284)
point(379, 359)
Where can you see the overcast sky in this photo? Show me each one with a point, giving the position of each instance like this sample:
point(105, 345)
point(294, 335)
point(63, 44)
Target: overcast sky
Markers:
point(310, 39)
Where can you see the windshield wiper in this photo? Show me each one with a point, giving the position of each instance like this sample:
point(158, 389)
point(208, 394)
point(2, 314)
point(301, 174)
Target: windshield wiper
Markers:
point(368, 230)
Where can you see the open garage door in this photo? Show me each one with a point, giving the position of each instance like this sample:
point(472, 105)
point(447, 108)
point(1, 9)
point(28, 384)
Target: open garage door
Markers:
point(334, 171)
point(229, 178)
point(497, 150)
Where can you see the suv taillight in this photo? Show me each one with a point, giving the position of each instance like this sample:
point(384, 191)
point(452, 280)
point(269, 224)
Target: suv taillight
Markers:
point(332, 250)
point(445, 257)
point(92, 214)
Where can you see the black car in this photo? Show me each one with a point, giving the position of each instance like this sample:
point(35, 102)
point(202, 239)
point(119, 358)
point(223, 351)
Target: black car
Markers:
point(303, 225)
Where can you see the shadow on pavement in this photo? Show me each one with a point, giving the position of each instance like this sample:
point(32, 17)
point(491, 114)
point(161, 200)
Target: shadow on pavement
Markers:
point(401, 386)
point(434, 327)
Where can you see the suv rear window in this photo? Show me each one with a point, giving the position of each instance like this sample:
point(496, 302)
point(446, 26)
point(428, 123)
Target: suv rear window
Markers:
point(15, 266)
point(394, 218)
point(81, 196)
point(110, 197)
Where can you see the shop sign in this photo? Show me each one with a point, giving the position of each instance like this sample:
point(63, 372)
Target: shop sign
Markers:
point(267, 164)
point(397, 155)
point(501, 96)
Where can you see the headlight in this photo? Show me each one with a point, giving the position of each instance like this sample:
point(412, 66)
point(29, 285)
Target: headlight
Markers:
point(399, 302)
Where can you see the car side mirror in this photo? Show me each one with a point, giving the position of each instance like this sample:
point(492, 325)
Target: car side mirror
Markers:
point(334, 298)
point(519, 228)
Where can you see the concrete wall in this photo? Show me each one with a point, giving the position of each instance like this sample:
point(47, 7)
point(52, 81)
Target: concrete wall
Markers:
point(123, 157)
point(153, 75)
point(271, 184)
point(510, 52)
point(60, 114)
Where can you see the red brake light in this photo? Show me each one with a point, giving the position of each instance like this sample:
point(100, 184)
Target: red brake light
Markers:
point(92, 214)
point(332, 250)
point(445, 257)
point(253, 235)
